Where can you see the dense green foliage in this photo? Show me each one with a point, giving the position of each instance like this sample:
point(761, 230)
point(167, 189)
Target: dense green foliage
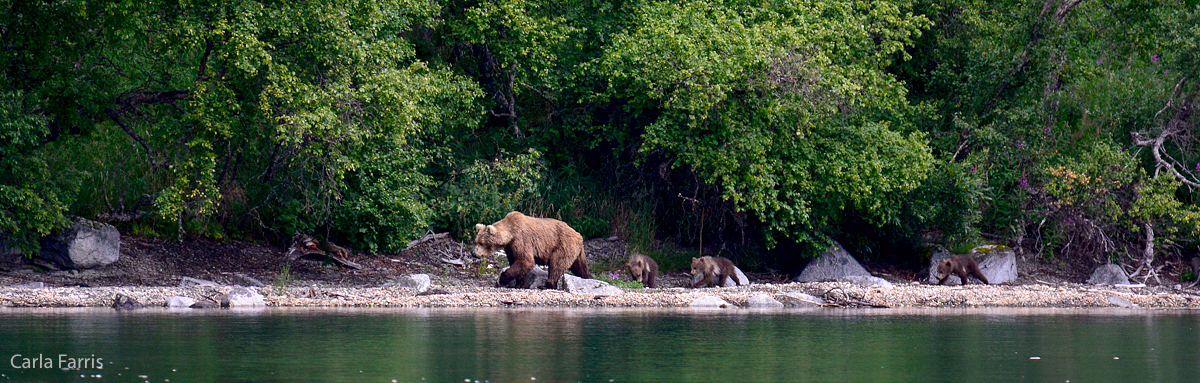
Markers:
point(1063, 128)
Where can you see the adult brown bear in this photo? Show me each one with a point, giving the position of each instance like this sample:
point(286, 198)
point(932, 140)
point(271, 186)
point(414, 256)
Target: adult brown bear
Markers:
point(528, 241)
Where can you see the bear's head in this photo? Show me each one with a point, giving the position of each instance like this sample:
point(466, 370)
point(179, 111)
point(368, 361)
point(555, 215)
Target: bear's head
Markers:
point(698, 266)
point(945, 267)
point(489, 239)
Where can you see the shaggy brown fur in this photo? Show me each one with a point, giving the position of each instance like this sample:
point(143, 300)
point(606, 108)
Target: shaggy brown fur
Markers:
point(528, 241)
point(643, 269)
point(713, 271)
point(961, 265)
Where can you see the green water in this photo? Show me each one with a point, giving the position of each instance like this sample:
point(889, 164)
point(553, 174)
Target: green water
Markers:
point(550, 345)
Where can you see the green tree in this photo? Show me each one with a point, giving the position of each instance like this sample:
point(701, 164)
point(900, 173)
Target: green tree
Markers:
point(784, 107)
point(263, 116)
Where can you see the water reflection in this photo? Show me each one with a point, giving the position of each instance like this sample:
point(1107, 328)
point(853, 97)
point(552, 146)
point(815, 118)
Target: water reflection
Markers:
point(325, 344)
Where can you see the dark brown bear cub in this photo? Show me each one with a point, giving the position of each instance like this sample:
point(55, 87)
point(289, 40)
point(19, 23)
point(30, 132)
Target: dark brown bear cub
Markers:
point(643, 269)
point(528, 241)
point(713, 271)
point(961, 265)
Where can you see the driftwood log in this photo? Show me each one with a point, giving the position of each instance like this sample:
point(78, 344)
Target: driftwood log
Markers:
point(303, 244)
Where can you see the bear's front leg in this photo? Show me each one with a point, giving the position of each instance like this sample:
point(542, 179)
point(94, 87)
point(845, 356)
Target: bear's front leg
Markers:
point(556, 273)
point(516, 276)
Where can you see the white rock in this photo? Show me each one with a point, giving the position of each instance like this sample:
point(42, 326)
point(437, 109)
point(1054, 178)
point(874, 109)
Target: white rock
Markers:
point(243, 297)
point(867, 281)
point(763, 301)
point(577, 285)
point(180, 302)
point(709, 301)
point(419, 282)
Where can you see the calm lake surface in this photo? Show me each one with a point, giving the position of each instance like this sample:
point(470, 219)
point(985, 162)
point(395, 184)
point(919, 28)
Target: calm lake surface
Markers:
point(507, 345)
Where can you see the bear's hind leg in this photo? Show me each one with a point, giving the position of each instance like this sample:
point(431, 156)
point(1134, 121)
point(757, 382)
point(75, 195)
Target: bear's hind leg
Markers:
point(580, 268)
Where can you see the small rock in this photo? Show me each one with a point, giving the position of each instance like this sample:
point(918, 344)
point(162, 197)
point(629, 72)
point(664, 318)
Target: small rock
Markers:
point(801, 300)
point(30, 285)
point(867, 281)
point(125, 302)
point(180, 302)
point(535, 279)
point(240, 279)
point(192, 282)
point(763, 301)
point(205, 304)
point(1118, 301)
point(433, 292)
point(1109, 274)
point(709, 301)
point(419, 282)
point(577, 285)
point(243, 297)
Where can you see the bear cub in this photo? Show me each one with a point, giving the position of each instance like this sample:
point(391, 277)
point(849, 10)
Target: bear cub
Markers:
point(713, 271)
point(962, 265)
point(643, 269)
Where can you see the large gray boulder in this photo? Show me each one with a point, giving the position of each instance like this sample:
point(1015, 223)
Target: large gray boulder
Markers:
point(837, 263)
point(728, 281)
point(83, 245)
point(998, 264)
point(576, 285)
point(1109, 274)
point(243, 297)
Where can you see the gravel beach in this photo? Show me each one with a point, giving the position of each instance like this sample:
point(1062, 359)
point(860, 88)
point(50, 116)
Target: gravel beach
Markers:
point(835, 295)
point(151, 271)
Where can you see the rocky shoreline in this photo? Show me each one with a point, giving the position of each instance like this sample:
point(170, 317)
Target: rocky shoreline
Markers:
point(152, 271)
point(781, 296)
